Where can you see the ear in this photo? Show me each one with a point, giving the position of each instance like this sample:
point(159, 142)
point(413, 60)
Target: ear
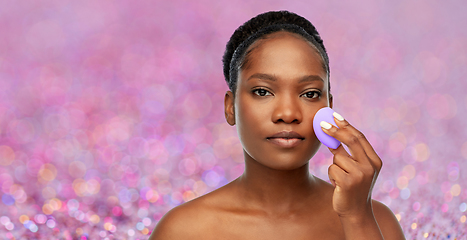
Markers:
point(330, 100)
point(229, 108)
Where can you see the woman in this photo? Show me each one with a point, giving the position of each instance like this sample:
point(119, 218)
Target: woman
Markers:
point(277, 70)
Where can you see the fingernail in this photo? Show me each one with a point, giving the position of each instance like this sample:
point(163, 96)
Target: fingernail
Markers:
point(325, 125)
point(338, 116)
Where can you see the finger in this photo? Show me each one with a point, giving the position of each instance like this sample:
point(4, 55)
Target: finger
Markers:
point(339, 150)
point(346, 163)
point(344, 136)
point(336, 175)
point(370, 152)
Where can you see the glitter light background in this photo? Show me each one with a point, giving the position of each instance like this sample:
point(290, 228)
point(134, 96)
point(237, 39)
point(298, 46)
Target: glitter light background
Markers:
point(111, 112)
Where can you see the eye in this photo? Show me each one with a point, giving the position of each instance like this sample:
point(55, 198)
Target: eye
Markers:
point(312, 94)
point(261, 92)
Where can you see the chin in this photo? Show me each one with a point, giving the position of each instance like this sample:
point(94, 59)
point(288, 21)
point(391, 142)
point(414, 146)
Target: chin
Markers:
point(287, 167)
point(283, 163)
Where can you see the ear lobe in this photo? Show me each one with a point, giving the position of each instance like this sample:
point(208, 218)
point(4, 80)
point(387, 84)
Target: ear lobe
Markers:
point(229, 108)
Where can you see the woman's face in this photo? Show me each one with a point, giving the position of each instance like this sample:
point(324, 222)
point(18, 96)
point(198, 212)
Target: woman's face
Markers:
point(278, 93)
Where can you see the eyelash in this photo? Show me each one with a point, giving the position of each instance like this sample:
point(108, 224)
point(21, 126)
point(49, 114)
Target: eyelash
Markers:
point(317, 92)
point(257, 92)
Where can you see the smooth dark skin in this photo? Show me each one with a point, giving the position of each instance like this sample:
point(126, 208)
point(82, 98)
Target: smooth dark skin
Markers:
point(277, 197)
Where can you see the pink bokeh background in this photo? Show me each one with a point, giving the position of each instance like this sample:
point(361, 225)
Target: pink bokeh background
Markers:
point(111, 112)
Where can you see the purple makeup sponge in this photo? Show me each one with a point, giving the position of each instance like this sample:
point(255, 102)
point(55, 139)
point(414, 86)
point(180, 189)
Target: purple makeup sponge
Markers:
point(325, 114)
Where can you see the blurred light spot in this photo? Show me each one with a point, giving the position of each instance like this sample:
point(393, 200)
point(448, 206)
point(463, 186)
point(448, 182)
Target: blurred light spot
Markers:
point(394, 193)
point(448, 196)
point(21, 174)
point(7, 155)
point(445, 186)
point(413, 226)
point(416, 206)
point(409, 171)
point(77, 169)
point(47, 209)
point(188, 166)
point(409, 155)
point(198, 135)
point(188, 196)
point(176, 198)
point(118, 130)
point(423, 152)
point(94, 219)
point(453, 171)
point(211, 178)
point(140, 226)
point(86, 188)
point(23, 131)
point(131, 232)
point(23, 219)
point(405, 193)
point(464, 150)
point(197, 104)
point(456, 190)
point(444, 207)
point(142, 213)
point(138, 147)
point(152, 196)
point(55, 204)
point(463, 207)
point(391, 113)
point(48, 172)
point(387, 186)
point(50, 223)
point(4, 220)
point(199, 188)
point(463, 218)
point(108, 226)
point(430, 68)
point(48, 192)
point(397, 142)
point(72, 204)
point(413, 113)
point(398, 216)
point(174, 144)
point(117, 211)
point(422, 178)
point(157, 152)
point(402, 182)
point(7, 199)
point(33, 227)
point(43, 36)
point(441, 106)
point(10, 226)
point(146, 221)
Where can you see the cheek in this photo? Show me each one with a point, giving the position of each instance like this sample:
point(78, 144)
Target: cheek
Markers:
point(251, 119)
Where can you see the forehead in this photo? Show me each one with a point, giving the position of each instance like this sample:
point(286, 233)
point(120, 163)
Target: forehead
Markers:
point(284, 53)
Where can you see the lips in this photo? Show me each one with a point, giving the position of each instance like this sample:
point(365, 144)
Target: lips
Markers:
point(286, 139)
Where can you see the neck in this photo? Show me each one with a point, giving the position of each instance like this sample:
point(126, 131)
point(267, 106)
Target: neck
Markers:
point(276, 190)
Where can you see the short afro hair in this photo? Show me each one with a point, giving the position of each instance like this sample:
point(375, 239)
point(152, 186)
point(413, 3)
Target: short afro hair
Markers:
point(258, 28)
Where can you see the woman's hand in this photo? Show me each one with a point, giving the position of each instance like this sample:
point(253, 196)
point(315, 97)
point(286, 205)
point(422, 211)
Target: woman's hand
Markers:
point(353, 175)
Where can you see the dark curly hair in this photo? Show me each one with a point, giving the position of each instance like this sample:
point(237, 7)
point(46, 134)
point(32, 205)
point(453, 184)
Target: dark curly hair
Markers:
point(236, 54)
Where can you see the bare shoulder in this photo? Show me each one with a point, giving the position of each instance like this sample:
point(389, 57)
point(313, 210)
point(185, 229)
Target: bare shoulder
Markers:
point(176, 224)
point(387, 222)
point(191, 219)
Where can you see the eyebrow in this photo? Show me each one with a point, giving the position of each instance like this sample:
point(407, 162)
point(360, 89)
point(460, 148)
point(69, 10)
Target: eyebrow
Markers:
point(263, 76)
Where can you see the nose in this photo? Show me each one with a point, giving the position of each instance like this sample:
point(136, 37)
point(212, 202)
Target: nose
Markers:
point(287, 110)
